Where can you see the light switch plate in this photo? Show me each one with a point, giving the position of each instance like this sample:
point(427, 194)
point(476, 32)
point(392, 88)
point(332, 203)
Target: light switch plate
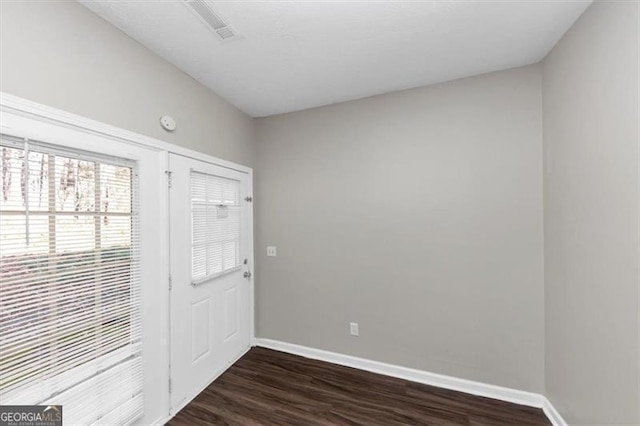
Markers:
point(272, 251)
point(353, 329)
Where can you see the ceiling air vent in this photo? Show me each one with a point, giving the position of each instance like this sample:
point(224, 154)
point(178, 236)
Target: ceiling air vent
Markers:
point(205, 12)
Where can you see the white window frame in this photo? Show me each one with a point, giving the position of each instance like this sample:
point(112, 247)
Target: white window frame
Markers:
point(40, 391)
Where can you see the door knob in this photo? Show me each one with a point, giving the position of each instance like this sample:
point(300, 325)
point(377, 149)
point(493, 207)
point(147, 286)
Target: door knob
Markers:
point(247, 275)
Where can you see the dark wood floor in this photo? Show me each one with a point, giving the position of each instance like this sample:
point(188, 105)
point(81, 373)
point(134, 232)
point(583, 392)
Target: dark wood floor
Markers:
point(267, 387)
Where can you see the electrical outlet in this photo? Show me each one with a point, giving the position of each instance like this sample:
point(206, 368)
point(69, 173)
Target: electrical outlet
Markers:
point(353, 328)
point(272, 251)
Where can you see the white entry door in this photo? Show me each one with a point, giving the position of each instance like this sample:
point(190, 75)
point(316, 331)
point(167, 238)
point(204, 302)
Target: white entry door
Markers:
point(210, 274)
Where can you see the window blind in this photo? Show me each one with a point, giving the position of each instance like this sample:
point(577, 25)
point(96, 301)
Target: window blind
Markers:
point(215, 226)
point(70, 324)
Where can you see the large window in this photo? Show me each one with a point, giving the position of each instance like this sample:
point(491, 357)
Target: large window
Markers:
point(70, 326)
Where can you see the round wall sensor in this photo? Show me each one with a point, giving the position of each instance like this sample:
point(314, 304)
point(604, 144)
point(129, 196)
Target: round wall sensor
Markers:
point(168, 123)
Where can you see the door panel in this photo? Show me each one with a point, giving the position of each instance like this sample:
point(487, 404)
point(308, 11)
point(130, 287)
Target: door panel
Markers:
point(200, 330)
point(210, 297)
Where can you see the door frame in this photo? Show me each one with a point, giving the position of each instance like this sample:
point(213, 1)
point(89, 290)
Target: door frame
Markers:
point(250, 256)
point(14, 106)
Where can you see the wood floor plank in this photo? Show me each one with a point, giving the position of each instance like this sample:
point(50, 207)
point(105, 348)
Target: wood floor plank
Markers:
point(267, 387)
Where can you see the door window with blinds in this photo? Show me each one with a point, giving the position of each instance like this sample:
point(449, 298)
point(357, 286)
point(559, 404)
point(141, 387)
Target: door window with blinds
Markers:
point(215, 226)
point(70, 325)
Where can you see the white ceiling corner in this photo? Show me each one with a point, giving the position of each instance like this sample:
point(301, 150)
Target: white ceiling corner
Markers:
point(293, 55)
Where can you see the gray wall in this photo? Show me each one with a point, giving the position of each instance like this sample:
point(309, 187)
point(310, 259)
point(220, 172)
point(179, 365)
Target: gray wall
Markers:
point(60, 54)
point(417, 214)
point(591, 217)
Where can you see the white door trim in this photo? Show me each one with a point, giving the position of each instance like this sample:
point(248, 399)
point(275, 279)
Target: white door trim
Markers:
point(14, 105)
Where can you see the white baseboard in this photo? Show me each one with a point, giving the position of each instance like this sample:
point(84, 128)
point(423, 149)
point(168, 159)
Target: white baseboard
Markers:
point(552, 414)
point(439, 380)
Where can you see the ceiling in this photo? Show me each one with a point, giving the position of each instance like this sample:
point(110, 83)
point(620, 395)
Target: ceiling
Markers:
point(293, 55)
